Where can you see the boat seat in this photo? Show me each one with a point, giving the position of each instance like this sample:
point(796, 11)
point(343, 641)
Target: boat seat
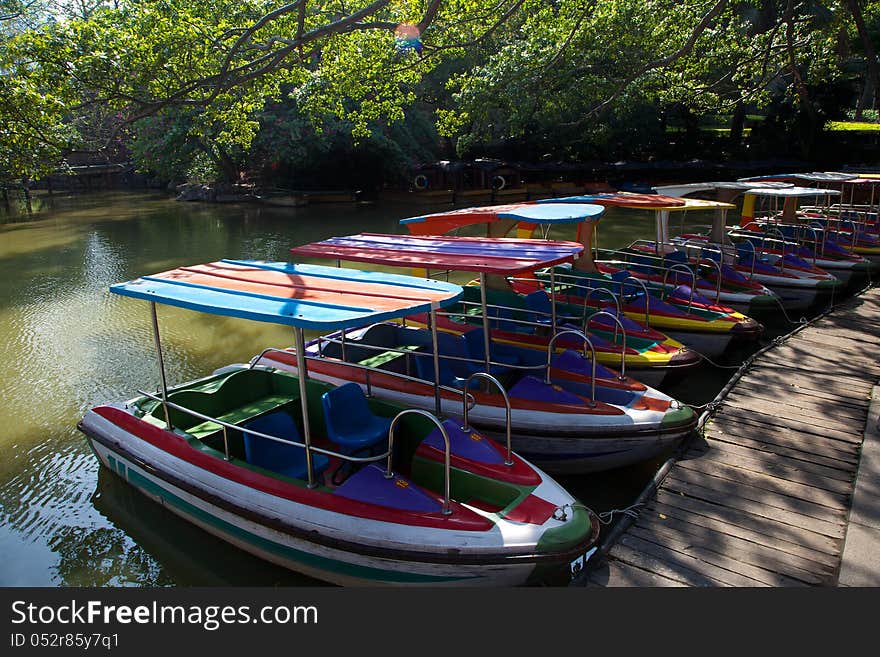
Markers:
point(447, 377)
point(350, 422)
point(286, 459)
point(250, 410)
point(539, 302)
point(476, 349)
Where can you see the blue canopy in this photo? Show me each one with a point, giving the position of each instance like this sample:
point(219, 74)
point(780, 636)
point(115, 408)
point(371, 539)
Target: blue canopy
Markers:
point(304, 296)
point(545, 213)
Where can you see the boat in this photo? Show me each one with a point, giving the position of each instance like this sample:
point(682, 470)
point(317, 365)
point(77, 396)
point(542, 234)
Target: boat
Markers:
point(322, 479)
point(651, 356)
point(567, 413)
point(663, 288)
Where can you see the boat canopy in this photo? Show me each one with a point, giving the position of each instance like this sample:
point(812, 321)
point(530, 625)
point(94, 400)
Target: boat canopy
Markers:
point(792, 192)
point(299, 295)
point(504, 256)
point(530, 212)
point(621, 200)
point(728, 186)
point(815, 176)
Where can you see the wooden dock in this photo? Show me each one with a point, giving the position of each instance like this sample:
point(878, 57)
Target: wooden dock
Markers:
point(763, 496)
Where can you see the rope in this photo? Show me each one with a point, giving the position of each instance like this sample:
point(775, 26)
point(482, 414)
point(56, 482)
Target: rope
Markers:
point(607, 516)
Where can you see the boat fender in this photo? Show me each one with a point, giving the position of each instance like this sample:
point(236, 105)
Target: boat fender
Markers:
point(498, 182)
point(420, 181)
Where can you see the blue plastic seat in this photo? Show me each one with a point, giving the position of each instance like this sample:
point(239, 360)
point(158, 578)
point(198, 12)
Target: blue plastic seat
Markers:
point(476, 348)
point(350, 422)
point(285, 459)
point(447, 377)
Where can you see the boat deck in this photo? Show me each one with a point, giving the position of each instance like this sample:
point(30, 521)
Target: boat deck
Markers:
point(765, 496)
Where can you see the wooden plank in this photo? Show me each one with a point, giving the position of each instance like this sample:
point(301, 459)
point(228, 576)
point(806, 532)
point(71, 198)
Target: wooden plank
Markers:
point(813, 540)
point(792, 401)
point(778, 408)
point(801, 360)
point(614, 573)
point(782, 442)
point(760, 568)
point(763, 371)
point(849, 436)
point(623, 553)
point(797, 351)
point(710, 532)
point(765, 506)
point(848, 346)
point(812, 393)
point(804, 472)
point(692, 569)
point(769, 482)
point(817, 385)
point(810, 445)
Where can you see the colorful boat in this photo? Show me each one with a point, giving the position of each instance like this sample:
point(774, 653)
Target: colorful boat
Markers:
point(567, 412)
point(673, 294)
point(652, 356)
point(320, 478)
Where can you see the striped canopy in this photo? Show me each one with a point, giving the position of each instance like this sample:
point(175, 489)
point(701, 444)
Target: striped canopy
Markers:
point(505, 256)
point(534, 213)
point(304, 296)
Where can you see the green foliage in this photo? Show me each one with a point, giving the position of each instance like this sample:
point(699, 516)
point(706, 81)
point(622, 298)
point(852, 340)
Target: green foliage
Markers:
point(202, 88)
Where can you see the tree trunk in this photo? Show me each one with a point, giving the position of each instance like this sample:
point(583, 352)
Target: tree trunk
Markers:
point(872, 75)
point(27, 196)
point(737, 124)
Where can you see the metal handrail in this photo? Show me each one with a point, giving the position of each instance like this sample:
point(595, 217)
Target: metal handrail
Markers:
point(492, 379)
point(277, 439)
point(644, 289)
point(678, 266)
point(446, 453)
point(406, 377)
point(592, 359)
point(622, 374)
point(613, 298)
point(701, 259)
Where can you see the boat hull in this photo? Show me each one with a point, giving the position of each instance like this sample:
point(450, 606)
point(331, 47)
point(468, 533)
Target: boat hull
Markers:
point(251, 521)
point(559, 442)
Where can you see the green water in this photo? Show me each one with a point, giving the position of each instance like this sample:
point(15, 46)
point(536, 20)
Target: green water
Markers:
point(67, 344)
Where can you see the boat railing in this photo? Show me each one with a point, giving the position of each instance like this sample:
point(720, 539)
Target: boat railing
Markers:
point(679, 266)
point(447, 450)
point(466, 427)
point(660, 269)
point(614, 298)
point(367, 369)
point(775, 229)
point(593, 317)
point(587, 343)
point(701, 259)
point(818, 240)
point(750, 236)
point(573, 281)
point(640, 282)
point(286, 441)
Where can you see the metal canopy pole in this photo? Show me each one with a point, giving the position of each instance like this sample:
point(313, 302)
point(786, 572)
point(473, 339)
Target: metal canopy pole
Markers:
point(436, 350)
point(302, 373)
point(484, 309)
point(552, 301)
point(161, 364)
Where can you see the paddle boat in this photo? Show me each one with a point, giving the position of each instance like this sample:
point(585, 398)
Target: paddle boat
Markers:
point(664, 289)
point(854, 232)
point(320, 478)
point(651, 356)
point(799, 261)
point(567, 413)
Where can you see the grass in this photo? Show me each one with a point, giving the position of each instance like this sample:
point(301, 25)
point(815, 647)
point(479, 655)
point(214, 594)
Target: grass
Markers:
point(853, 126)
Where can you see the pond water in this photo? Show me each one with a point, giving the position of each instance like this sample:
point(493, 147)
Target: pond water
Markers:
point(68, 345)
